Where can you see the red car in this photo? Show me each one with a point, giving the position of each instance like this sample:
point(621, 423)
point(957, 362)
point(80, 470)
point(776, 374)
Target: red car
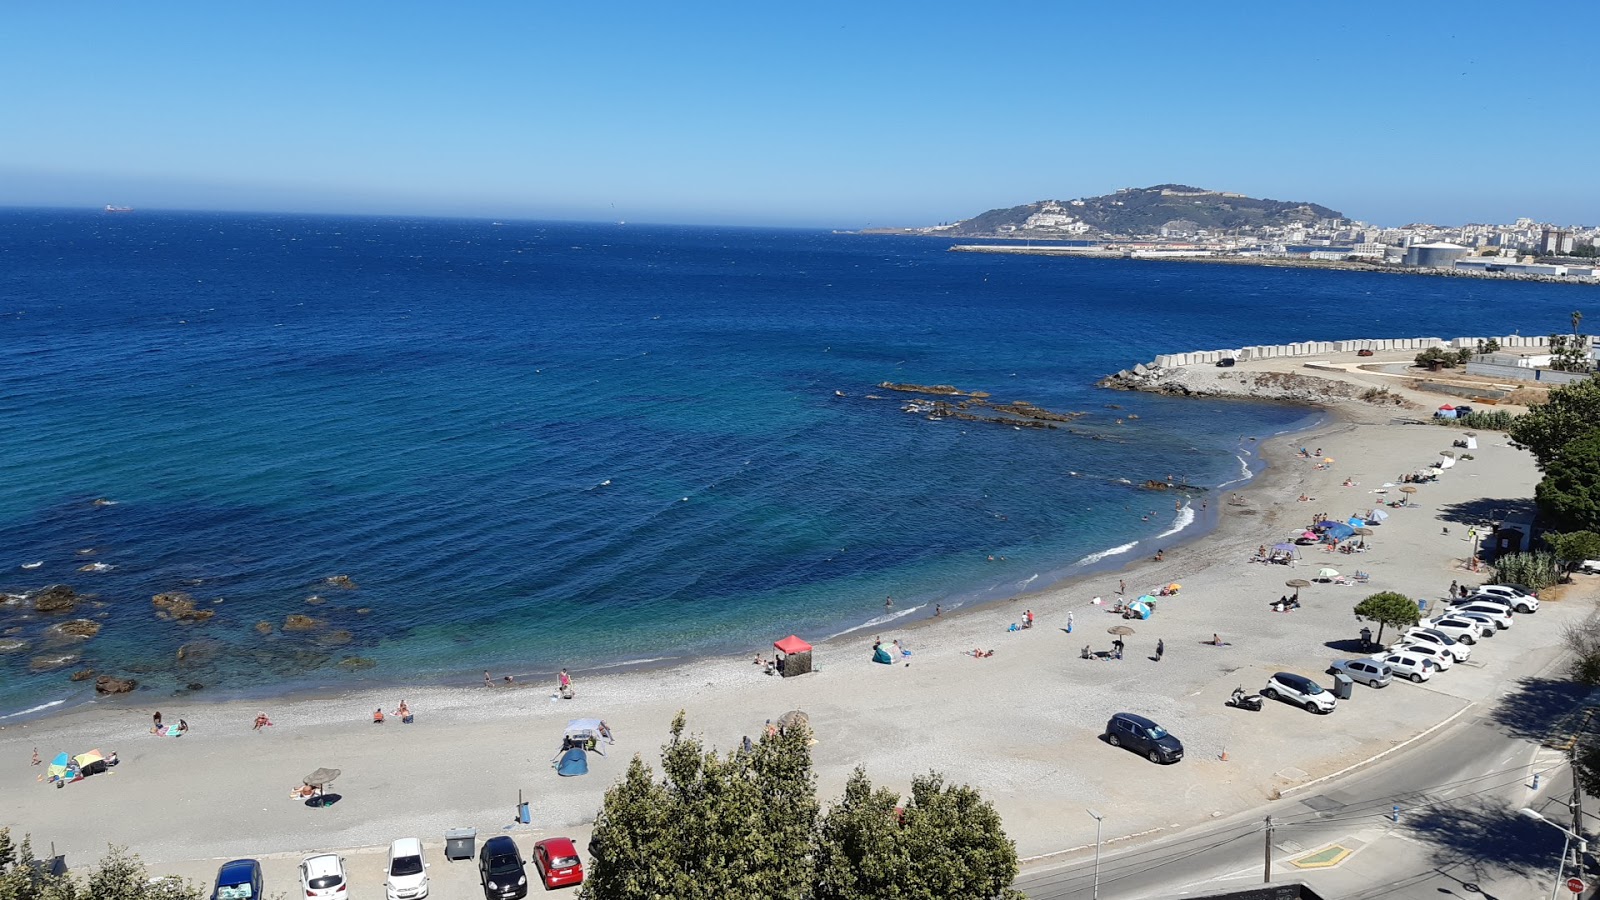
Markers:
point(557, 862)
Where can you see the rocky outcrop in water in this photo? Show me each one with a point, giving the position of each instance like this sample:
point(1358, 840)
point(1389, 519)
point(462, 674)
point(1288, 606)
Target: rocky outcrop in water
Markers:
point(179, 607)
point(342, 581)
point(55, 598)
point(106, 684)
point(78, 628)
point(48, 662)
point(297, 622)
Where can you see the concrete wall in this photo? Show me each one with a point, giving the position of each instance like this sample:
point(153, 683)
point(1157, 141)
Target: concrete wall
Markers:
point(1324, 348)
point(1520, 373)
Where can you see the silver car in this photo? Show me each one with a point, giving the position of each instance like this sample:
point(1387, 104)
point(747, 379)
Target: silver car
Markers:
point(1369, 672)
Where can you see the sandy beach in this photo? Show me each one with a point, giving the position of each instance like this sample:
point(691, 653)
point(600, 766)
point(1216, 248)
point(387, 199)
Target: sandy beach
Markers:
point(1022, 725)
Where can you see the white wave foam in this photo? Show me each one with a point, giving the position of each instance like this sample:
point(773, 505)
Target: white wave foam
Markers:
point(33, 565)
point(40, 708)
point(1113, 551)
point(1182, 520)
point(879, 621)
point(1023, 584)
point(1244, 471)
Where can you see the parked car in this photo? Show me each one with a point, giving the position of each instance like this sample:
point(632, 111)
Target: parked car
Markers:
point(556, 860)
point(1458, 650)
point(1501, 593)
point(239, 879)
point(1369, 672)
point(1490, 629)
point(1410, 665)
point(408, 871)
point(1464, 630)
point(500, 869)
point(1590, 567)
point(1144, 737)
point(1442, 658)
point(1299, 690)
point(322, 877)
point(1498, 613)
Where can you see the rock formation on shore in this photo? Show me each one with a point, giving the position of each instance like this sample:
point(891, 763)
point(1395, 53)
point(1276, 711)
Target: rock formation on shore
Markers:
point(105, 684)
point(179, 607)
point(1205, 381)
point(55, 598)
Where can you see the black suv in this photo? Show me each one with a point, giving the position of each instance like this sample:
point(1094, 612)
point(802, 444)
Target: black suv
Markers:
point(500, 869)
point(1143, 736)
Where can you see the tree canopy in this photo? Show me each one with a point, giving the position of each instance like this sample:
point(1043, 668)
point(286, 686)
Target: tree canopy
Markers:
point(1573, 547)
point(747, 824)
point(118, 876)
point(1572, 411)
point(1388, 608)
point(1569, 493)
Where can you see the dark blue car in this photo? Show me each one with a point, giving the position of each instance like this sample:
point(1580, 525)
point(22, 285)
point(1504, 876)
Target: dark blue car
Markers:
point(1144, 737)
point(239, 879)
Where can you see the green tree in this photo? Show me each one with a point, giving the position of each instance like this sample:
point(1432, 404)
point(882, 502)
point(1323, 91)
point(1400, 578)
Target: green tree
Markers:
point(1572, 411)
point(958, 845)
point(1569, 493)
point(1573, 547)
point(860, 850)
point(632, 849)
point(118, 876)
point(1389, 608)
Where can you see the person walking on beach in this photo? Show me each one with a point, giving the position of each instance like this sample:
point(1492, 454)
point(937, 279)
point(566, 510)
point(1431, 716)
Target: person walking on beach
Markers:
point(36, 756)
point(565, 682)
point(1161, 649)
point(1122, 586)
point(1069, 621)
point(487, 681)
point(1453, 589)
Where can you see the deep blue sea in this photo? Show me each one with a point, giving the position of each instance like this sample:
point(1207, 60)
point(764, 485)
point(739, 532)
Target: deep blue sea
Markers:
point(537, 445)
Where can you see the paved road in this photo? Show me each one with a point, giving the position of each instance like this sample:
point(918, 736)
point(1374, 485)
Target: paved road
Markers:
point(1459, 831)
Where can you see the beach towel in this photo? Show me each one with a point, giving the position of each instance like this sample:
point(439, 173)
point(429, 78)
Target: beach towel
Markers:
point(172, 731)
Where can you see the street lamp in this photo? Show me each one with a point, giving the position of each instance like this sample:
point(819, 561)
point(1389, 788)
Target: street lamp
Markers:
point(1561, 864)
point(1098, 821)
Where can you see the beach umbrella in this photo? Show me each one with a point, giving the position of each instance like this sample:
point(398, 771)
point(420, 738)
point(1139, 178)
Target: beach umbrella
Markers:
point(1449, 453)
point(58, 766)
point(1120, 630)
point(1310, 535)
point(1174, 586)
point(1472, 434)
point(1408, 489)
point(321, 777)
point(1288, 547)
point(1327, 573)
point(1297, 584)
point(1327, 459)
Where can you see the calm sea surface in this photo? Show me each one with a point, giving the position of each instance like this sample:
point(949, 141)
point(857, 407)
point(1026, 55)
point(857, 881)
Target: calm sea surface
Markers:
point(543, 445)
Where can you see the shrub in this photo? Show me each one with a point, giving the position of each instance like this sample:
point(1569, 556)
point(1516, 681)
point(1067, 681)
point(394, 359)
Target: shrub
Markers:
point(1537, 570)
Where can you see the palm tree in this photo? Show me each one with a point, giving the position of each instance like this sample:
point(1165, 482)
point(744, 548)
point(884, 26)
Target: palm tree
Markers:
point(1577, 319)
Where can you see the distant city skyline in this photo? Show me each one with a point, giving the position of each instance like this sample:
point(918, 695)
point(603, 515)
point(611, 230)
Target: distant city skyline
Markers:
point(827, 114)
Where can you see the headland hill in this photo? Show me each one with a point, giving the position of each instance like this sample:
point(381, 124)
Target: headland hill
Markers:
point(1181, 222)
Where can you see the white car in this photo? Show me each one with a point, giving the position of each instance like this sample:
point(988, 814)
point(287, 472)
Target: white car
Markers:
point(322, 877)
point(1301, 691)
point(1464, 630)
point(1410, 665)
point(1497, 613)
point(1369, 672)
point(1458, 651)
point(408, 871)
point(1515, 599)
point(1442, 658)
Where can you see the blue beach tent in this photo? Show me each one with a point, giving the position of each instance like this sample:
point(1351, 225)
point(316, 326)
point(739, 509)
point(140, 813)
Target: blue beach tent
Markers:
point(881, 655)
point(573, 762)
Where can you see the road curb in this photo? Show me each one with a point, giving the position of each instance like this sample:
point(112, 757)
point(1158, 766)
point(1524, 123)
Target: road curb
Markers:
point(1284, 792)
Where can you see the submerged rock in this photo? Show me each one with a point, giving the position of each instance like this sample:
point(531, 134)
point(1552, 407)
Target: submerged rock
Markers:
point(50, 661)
point(315, 600)
point(79, 628)
point(56, 598)
point(342, 581)
point(263, 627)
point(356, 663)
point(180, 606)
point(106, 684)
point(297, 622)
point(336, 638)
point(12, 645)
point(83, 675)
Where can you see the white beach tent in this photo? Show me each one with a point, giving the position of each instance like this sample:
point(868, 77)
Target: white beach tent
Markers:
point(586, 730)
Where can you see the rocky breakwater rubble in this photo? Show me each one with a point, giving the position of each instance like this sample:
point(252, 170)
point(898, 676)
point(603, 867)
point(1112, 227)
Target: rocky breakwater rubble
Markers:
point(974, 406)
point(1289, 387)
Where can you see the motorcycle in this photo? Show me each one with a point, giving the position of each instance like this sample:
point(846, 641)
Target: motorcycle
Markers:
point(1241, 700)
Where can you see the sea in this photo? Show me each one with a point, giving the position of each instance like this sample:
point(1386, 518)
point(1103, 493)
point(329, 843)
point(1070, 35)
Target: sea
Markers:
point(530, 446)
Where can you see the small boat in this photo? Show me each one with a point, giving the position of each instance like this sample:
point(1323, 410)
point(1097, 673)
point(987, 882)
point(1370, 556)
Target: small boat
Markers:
point(110, 208)
point(838, 393)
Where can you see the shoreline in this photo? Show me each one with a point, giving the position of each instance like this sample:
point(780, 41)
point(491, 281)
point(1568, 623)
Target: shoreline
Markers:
point(943, 713)
point(1204, 523)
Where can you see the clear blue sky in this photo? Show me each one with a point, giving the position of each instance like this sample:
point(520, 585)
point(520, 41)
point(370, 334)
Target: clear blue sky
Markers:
point(814, 113)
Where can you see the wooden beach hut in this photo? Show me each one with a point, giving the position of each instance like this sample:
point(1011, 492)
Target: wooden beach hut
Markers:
point(796, 658)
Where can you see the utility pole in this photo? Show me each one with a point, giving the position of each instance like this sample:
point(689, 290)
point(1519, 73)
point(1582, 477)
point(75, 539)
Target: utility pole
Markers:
point(1266, 872)
point(1577, 808)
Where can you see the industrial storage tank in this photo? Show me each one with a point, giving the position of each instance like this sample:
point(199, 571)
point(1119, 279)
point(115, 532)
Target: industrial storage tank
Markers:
point(1435, 256)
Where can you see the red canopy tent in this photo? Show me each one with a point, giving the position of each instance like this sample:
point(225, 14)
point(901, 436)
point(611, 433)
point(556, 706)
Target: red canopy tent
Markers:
point(797, 656)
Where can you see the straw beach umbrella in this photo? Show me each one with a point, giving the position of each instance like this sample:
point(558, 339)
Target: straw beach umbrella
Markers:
point(1121, 630)
point(1408, 489)
point(1297, 584)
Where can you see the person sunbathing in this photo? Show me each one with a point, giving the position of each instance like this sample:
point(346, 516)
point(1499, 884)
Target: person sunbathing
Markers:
point(261, 721)
point(377, 716)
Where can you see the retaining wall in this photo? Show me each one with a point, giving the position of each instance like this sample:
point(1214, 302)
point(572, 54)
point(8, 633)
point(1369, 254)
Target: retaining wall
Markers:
point(1322, 348)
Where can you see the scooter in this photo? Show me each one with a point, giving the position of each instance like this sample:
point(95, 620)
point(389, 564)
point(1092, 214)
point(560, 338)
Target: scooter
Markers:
point(1241, 700)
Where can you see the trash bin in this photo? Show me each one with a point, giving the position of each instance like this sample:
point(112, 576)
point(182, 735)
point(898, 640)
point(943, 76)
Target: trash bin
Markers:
point(1343, 686)
point(458, 843)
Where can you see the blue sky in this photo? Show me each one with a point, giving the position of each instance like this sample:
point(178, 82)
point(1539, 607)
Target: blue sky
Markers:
point(830, 114)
